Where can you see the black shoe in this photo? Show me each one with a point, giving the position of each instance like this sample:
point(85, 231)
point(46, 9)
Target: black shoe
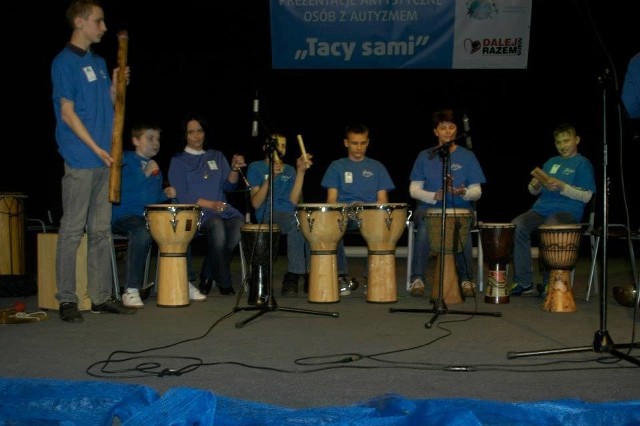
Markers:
point(205, 285)
point(69, 312)
point(290, 284)
point(227, 291)
point(112, 306)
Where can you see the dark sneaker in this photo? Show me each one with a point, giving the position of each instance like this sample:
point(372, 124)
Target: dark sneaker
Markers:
point(228, 291)
point(542, 290)
point(290, 284)
point(112, 306)
point(519, 289)
point(69, 312)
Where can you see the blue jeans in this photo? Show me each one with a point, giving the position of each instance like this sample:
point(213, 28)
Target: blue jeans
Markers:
point(298, 254)
point(527, 223)
point(223, 236)
point(138, 246)
point(343, 266)
point(422, 248)
point(86, 208)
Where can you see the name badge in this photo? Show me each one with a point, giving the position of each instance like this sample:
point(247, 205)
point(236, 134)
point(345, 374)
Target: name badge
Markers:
point(212, 165)
point(554, 169)
point(90, 73)
point(348, 177)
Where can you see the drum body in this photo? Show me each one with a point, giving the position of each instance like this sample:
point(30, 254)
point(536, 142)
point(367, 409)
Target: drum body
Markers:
point(323, 226)
point(12, 233)
point(498, 240)
point(560, 247)
point(172, 227)
point(457, 227)
point(255, 246)
point(381, 225)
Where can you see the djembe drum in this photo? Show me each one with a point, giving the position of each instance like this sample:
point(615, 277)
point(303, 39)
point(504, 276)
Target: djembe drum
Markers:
point(173, 226)
point(12, 233)
point(457, 226)
point(255, 246)
point(497, 244)
point(559, 245)
point(323, 226)
point(381, 225)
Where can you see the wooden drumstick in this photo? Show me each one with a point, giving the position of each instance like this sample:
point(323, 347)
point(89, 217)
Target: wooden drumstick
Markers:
point(118, 121)
point(302, 150)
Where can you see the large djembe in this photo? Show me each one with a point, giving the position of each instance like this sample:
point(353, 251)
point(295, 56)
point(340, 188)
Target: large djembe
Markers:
point(559, 246)
point(457, 227)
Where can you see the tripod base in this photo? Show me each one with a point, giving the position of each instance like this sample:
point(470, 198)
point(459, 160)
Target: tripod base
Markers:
point(272, 306)
point(440, 308)
point(602, 343)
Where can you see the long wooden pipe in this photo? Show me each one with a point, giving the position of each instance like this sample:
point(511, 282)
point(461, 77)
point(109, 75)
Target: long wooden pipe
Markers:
point(115, 175)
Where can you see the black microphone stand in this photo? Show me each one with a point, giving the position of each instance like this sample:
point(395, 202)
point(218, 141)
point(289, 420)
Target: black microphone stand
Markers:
point(602, 342)
point(270, 304)
point(439, 306)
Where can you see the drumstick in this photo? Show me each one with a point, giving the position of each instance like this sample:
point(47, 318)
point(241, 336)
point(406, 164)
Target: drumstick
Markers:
point(302, 150)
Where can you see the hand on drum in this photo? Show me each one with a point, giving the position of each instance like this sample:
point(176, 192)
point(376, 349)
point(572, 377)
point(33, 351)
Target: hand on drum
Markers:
point(218, 206)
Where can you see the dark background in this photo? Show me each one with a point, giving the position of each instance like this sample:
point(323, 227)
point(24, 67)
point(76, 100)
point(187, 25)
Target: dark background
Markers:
point(213, 57)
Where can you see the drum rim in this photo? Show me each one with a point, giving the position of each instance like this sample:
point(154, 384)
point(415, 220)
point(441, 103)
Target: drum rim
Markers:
point(259, 226)
point(568, 226)
point(496, 225)
point(380, 206)
point(321, 206)
point(172, 206)
point(455, 211)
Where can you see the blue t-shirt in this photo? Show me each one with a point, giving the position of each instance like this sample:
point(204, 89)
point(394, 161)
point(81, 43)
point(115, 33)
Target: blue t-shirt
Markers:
point(202, 176)
point(137, 189)
point(82, 78)
point(258, 172)
point(576, 171)
point(464, 168)
point(357, 181)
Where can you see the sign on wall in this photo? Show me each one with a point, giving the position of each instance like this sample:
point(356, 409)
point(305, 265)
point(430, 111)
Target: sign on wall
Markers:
point(395, 34)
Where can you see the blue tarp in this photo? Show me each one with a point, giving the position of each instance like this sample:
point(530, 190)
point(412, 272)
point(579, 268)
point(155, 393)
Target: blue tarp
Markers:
point(88, 403)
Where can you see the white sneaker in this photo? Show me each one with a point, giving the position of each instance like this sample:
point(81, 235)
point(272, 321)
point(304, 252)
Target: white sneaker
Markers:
point(417, 288)
point(195, 295)
point(131, 299)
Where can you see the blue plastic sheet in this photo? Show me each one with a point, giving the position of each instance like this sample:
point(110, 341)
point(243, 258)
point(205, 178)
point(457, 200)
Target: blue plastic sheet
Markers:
point(88, 403)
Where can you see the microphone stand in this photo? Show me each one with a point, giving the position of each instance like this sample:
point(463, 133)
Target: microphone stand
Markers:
point(270, 304)
point(439, 306)
point(602, 342)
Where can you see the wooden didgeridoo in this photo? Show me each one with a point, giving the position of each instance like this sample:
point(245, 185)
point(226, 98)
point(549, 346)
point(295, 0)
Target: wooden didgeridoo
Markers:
point(118, 121)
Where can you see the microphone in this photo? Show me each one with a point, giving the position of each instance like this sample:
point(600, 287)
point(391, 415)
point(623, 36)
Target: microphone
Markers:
point(467, 128)
point(254, 125)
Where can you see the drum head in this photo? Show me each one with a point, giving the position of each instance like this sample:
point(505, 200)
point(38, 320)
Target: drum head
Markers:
point(172, 207)
point(321, 207)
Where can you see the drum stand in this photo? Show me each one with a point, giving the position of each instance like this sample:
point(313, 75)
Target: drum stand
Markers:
point(270, 304)
point(439, 306)
point(602, 342)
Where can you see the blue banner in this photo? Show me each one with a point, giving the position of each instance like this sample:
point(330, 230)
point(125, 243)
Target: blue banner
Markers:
point(395, 34)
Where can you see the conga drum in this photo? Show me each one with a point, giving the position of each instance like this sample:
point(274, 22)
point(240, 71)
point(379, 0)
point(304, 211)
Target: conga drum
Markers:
point(381, 225)
point(323, 226)
point(172, 227)
point(457, 226)
point(12, 233)
point(498, 240)
point(255, 246)
point(560, 247)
